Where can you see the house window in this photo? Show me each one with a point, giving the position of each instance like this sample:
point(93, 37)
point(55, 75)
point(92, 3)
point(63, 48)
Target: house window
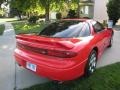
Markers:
point(87, 8)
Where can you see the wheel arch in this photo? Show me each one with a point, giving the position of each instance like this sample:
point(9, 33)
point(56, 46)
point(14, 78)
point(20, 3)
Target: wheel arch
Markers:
point(86, 67)
point(97, 50)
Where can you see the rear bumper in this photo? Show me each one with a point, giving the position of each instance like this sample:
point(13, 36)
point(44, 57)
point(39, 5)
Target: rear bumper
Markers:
point(52, 72)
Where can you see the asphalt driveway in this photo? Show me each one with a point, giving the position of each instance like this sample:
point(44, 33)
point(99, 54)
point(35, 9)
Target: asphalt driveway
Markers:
point(13, 76)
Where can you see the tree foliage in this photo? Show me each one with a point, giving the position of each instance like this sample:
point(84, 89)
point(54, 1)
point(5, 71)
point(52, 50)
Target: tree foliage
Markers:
point(31, 6)
point(25, 5)
point(113, 10)
point(47, 4)
point(1, 1)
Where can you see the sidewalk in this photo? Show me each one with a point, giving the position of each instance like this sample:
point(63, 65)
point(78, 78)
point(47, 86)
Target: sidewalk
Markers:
point(6, 58)
point(24, 78)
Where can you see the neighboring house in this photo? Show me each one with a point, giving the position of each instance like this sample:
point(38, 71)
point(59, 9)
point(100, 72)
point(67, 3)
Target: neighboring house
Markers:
point(87, 8)
point(95, 9)
point(5, 8)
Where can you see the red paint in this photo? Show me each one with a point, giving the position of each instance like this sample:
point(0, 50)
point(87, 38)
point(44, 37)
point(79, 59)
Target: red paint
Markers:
point(60, 59)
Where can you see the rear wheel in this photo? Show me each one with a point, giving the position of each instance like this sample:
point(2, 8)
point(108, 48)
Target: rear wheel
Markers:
point(91, 64)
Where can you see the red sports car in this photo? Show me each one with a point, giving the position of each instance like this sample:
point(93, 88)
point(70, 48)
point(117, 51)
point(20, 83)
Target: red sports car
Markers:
point(64, 50)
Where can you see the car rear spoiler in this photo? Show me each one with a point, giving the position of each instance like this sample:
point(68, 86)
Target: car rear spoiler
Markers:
point(27, 39)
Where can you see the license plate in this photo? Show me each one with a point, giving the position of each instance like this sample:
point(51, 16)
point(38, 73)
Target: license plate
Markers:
point(31, 66)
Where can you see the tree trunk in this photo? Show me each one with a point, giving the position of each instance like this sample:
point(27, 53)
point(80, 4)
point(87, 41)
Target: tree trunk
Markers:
point(78, 10)
point(19, 14)
point(47, 11)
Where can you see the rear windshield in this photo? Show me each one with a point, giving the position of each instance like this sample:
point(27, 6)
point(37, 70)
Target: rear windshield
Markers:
point(63, 29)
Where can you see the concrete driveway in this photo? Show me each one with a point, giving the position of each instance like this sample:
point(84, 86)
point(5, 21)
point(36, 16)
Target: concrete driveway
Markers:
point(13, 76)
point(7, 42)
point(111, 55)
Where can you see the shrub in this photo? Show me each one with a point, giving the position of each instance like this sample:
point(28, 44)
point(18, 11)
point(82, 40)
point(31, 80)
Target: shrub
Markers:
point(71, 14)
point(58, 15)
point(113, 10)
point(33, 19)
point(42, 16)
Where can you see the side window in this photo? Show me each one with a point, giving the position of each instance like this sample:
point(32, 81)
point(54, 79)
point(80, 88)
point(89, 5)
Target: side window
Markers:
point(85, 31)
point(98, 27)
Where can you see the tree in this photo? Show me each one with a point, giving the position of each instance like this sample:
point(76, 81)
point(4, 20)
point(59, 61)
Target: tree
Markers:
point(72, 6)
point(18, 7)
point(77, 2)
point(46, 4)
point(113, 10)
point(29, 6)
point(22, 6)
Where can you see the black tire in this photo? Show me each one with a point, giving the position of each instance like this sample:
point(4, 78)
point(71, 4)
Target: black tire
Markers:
point(91, 64)
point(110, 42)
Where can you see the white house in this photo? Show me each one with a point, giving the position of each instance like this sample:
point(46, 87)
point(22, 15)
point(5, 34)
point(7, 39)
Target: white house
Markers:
point(95, 9)
point(100, 10)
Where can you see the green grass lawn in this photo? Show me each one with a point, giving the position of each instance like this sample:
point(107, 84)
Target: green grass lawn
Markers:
point(106, 78)
point(24, 27)
point(2, 28)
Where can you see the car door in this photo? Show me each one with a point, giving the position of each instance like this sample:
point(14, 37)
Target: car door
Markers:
point(108, 34)
point(99, 36)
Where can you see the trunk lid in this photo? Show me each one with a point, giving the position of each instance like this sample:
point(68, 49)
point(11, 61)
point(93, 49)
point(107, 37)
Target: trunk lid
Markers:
point(45, 45)
point(39, 41)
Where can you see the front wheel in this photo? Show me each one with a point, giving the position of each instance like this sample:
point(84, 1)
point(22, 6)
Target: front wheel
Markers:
point(91, 64)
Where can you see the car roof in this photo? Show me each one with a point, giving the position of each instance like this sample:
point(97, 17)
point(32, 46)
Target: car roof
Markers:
point(76, 19)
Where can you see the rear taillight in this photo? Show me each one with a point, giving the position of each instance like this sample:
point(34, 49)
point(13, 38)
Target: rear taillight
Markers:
point(56, 53)
point(62, 54)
